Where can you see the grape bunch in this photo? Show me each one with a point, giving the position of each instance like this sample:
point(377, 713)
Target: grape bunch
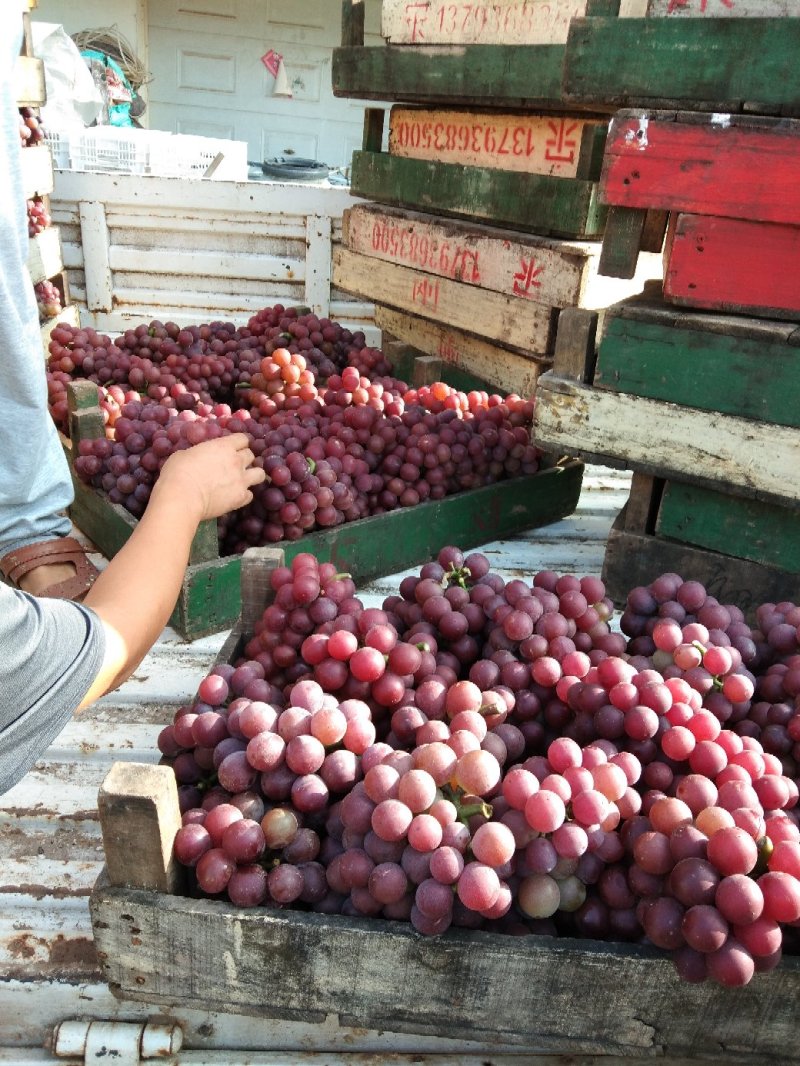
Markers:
point(38, 216)
point(48, 300)
point(490, 754)
point(31, 132)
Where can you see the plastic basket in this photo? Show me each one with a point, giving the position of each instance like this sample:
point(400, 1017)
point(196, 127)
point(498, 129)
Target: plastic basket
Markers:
point(183, 155)
point(109, 148)
point(58, 143)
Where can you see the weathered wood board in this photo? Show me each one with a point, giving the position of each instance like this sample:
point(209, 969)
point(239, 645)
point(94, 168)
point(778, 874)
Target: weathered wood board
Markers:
point(722, 522)
point(703, 447)
point(504, 76)
point(731, 165)
point(740, 9)
point(671, 61)
point(728, 264)
point(522, 324)
point(44, 254)
point(507, 371)
point(723, 363)
point(563, 146)
point(528, 991)
point(36, 165)
point(562, 207)
point(633, 558)
point(553, 273)
point(514, 22)
point(28, 82)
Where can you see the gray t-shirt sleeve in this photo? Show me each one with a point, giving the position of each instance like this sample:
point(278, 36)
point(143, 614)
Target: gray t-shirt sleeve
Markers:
point(50, 653)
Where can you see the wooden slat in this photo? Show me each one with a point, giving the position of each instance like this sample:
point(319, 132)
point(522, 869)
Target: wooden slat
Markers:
point(739, 9)
point(281, 963)
point(514, 22)
point(633, 62)
point(36, 165)
point(566, 146)
point(633, 559)
point(675, 357)
point(725, 264)
point(28, 82)
point(722, 522)
point(139, 817)
point(622, 241)
point(45, 259)
point(713, 165)
point(478, 75)
point(563, 207)
point(507, 371)
point(516, 264)
point(641, 510)
point(521, 324)
point(704, 447)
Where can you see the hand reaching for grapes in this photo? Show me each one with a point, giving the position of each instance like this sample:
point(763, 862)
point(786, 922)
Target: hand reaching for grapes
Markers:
point(216, 476)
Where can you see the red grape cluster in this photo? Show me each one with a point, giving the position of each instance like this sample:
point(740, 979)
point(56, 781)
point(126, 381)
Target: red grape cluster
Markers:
point(325, 345)
point(31, 132)
point(38, 216)
point(501, 760)
point(48, 300)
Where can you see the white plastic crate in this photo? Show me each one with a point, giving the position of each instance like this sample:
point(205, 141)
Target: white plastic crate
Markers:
point(183, 155)
point(58, 143)
point(108, 148)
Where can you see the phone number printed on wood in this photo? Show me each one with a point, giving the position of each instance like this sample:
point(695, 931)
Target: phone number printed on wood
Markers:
point(541, 271)
point(479, 22)
point(532, 144)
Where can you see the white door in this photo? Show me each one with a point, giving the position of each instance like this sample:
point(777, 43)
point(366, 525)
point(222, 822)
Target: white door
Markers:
point(208, 77)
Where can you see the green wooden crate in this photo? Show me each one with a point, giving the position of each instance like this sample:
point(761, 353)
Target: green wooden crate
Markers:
point(723, 363)
point(210, 600)
point(636, 558)
point(700, 63)
point(479, 74)
point(743, 528)
point(549, 206)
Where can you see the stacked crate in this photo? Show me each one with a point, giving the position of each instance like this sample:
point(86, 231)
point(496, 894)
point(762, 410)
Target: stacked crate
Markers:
point(485, 222)
point(45, 260)
point(695, 385)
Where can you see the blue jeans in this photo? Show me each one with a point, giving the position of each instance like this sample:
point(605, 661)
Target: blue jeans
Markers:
point(35, 484)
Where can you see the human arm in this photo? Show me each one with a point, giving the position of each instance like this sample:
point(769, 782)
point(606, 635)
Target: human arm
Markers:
point(136, 593)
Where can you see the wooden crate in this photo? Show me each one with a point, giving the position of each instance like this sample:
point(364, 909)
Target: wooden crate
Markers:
point(566, 146)
point(642, 545)
point(45, 258)
point(209, 599)
point(546, 205)
point(517, 323)
point(28, 81)
point(36, 165)
point(471, 75)
point(746, 367)
point(737, 166)
point(716, 8)
point(730, 264)
point(464, 360)
point(693, 63)
point(515, 22)
point(706, 447)
point(556, 273)
point(746, 529)
point(562, 996)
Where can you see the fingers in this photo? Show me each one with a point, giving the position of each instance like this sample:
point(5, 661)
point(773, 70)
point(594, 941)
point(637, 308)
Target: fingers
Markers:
point(255, 475)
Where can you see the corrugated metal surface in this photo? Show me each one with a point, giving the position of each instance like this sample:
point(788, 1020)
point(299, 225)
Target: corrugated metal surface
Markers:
point(52, 850)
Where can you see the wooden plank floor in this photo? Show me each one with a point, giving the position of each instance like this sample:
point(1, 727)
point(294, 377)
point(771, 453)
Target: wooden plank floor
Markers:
point(52, 851)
